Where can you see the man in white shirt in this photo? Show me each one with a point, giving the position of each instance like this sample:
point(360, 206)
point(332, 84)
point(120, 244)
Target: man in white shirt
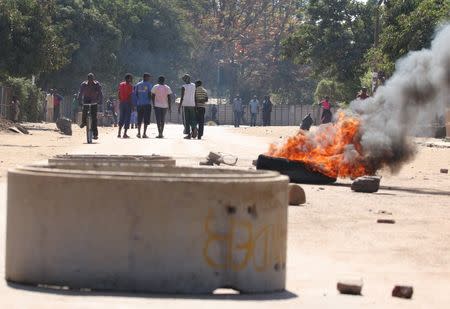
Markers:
point(161, 103)
point(188, 104)
point(254, 110)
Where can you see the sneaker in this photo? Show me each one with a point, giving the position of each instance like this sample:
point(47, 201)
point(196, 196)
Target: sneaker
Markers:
point(138, 135)
point(144, 136)
point(194, 133)
point(118, 135)
point(95, 137)
point(125, 136)
point(159, 136)
point(82, 125)
point(187, 137)
point(199, 137)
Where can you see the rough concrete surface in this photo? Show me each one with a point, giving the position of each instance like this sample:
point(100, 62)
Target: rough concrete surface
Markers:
point(334, 236)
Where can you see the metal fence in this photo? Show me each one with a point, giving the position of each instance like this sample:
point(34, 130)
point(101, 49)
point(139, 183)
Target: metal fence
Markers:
point(282, 115)
point(5, 102)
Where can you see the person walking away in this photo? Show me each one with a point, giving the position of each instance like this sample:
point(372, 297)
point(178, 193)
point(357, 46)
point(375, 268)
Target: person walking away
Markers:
point(326, 110)
point(362, 95)
point(90, 93)
point(266, 111)
point(188, 104)
point(201, 97)
point(143, 94)
point(161, 98)
point(214, 113)
point(15, 104)
point(57, 100)
point(75, 107)
point(306, 122)
point(254, 110)
point(125, 105)
point(237, 110)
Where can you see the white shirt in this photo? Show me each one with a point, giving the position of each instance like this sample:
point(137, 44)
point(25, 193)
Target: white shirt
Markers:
point(161, 92)
point(189, 95)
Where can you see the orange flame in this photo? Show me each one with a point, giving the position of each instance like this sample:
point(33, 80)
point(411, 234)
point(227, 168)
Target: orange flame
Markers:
point(333, 150)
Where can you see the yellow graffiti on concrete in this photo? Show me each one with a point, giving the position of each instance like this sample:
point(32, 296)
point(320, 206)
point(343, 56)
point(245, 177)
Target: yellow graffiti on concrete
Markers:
point(242, 245)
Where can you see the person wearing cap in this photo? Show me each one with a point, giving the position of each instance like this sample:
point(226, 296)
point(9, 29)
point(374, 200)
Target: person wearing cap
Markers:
point(161, 98)
point(188, 104)
point(201, 97)
point(143, 97)
point(90, 93)
point(125, 99)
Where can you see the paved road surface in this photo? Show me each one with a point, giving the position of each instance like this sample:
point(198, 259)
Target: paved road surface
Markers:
point(334, 235)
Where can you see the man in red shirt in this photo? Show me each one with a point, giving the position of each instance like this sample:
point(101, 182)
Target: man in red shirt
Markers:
point(125, 106)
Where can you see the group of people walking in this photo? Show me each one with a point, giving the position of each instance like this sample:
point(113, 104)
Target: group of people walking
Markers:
point(142, 98)
point(254, 107)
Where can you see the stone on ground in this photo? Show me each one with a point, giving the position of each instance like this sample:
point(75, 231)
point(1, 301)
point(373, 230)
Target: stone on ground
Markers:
point(367, 184)
point(402, 291)
point(350, 286)
point(444, 170)
point(296, 195)
point(64, 125)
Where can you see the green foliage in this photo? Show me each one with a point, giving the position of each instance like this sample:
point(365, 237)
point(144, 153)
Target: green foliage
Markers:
point(330, 88)
point(30, 96)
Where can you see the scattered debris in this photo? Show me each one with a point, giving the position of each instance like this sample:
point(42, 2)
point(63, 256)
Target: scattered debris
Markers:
point(218, 158)
point(402, 291)
point(15, 130)
point(352, 287)
point(384, 212)
point(386, 221)
point(444, 170)
point(296, 195)
point(367, 184)
point(22, 129)
point(64, 125)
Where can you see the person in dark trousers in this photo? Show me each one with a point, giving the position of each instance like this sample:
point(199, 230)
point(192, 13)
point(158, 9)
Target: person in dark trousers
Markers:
point(238, 110)
point(126, 104)
point(161, 98)
point(57, 101)
point(15, 104)
point(254, 110)
point(188, 103)
point(214, 113)
point(326, 110)
point(110, 109)
point(75, 107)
point(90, 93)
point(201, 97)
point(266, 110)
point(143, 94)
point(307, 122)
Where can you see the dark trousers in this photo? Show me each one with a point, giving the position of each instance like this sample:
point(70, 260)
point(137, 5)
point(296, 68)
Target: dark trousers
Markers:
point(55, 113)
point(201, 120)
point(266, 118)
point(160, 115)
point(253, 119)
point(237, 119)
point(326, 116)
point(93, 117)
point(125, 115)
point(190, 118)
point(143, 114)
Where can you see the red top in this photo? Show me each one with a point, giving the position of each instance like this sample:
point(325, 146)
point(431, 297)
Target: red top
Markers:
point(325, 104)
point(125, 91)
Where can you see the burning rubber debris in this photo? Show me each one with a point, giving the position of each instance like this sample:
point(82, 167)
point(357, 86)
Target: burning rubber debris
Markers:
point(374, 133)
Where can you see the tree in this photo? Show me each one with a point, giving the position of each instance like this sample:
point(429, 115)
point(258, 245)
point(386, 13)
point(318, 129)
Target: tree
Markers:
point(332, 39)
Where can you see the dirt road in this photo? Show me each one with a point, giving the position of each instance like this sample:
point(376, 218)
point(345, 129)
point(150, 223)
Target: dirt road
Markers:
point(334, 235)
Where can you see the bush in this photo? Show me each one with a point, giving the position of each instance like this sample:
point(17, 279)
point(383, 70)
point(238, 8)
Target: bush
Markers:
point(30, 96)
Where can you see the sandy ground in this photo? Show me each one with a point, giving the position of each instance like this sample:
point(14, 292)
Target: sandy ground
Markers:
point(334, 235)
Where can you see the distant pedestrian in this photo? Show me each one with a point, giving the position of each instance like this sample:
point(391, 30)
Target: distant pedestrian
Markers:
point(15, 104)
point(307, 122)
point(124, 95)
point(326, 110)
point(266, 110)
point(111, 109)
point(133, 118)
point(362, 95)
point(75, 107)
point(188, 104)
point(254, 110)
point(213, 108)
point(143, 94)
point(161, 98)
point(237, 111)
point(201, 97)
point(57, 101)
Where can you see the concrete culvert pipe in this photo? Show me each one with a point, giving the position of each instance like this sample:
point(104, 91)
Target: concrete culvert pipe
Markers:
point(156, 159)
point(166, 230)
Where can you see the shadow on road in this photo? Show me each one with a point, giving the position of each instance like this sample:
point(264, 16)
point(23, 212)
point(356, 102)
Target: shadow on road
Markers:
point(64, 291)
